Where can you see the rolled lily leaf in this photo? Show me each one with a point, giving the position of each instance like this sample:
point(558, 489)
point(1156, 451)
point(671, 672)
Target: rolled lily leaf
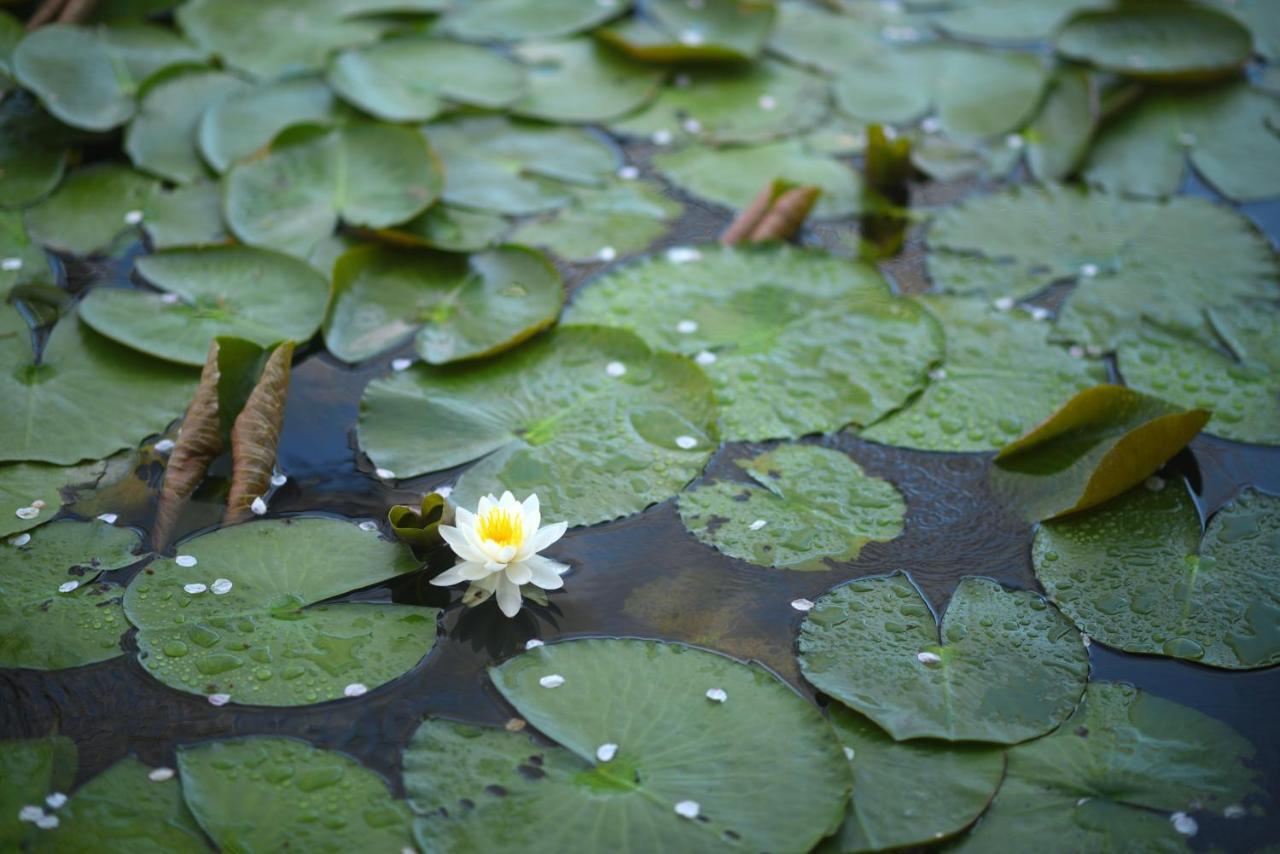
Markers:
point(420, 527)
point(776, 213)
point(256, 435)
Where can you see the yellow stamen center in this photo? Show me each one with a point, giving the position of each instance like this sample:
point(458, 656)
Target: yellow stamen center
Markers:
point(502, 527)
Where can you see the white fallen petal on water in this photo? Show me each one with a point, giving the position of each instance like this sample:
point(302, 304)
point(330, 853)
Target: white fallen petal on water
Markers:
point(802, 604)
point(30, 812)
point(758, 524)
point(39, 504)
point(628, 173)
point(164, 446)
point(1003, 304)
point(1015, 141)
point(607, 751)
point(219, 699)
point(1154, 483)
point(444, 491)
point(221, 586)
point(259, 507)
point(195, 588)
point(687, 327)
point(615, 369)
point(688, 809)
point(368, 526)
point(27, 513)
point(931, 124)
point(47, 822)
point(68, 586)
point(20, 540)
point(1184, 824)
point(170, 299)
point(717, 695)
point(1088, 270)
point(1039, 312)
point(928, 657)
point(56, 800)
point(355, 689)
point(683, 254)
point(11, 264)
point(555, 680)
point(185, 560)
point(532, 643)
point(768, 103)
point(704, 358)
point(691, 38)
point(848, 753)
point(385, 474)
point(686, 442)
point(1086, 640)
point(938, 374)
point(662, 137)
point(278, 479)
point(159, 775)
point(691, 126)
point(133, 217)
point(109, 518)
point(401, 364)
point(607, 253)
point(1233, 811)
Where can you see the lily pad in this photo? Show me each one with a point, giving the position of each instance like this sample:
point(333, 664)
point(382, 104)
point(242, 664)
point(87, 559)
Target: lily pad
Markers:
point(56, 611)
point(266, 794)
point(364, 173)
point(32, 769)
point(235, 291)
point(1008, 667)
point(450, 228)
point(777, 782)
point(1166, 41)
point(587, 417)
point(1103, 441)
point(187, 217)
point(161, 139)
point(733, 176)
point(16, 248)
point(1059, 137)
point(33, 152)
point(247, 121)
point(194, 638)
point(1108, 779)
point(514, 20)
point(908, 793)
point(582, 80)
point(676, 31)
point(413, 79)
point(822, 334)
point(1138, 575)
point(603, 223)
point(66, 406)
point(22, 485)
point(91, 209)
point(812, 505)
point(1013, 21)
point(460, 307)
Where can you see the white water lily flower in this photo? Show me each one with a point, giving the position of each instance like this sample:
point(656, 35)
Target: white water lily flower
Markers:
point(498, 546)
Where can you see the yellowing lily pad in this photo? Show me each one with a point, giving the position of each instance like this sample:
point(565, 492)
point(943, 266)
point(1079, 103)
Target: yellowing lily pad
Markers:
point(603, 223)
point(246, 121)
point(582, 80)
point(91, 209)
point(161, 139)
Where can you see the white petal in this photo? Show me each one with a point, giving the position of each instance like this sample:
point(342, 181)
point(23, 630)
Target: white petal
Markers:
point(519, 573)
point(532, 515)
point(494, 567)
point(508, 596)
point(508, 502)
point(485, 504)
point(545, 537)
point(458, 542)
point(545, 573)
point(465, 518)
point(506, 554)
point(450, 576)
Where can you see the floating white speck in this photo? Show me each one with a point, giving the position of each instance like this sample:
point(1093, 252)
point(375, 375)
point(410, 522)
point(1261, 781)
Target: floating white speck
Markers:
point(1154, 483)
point(11, 264)
point(931, 124)
point(47, 822)
point(1186, 140)
point(164, 446)
point(683, 81)
point(686, 442)
point(607, 253)
point(717, 695)
point(1088, 271)
point(401, 364)
point(170, 299)
point(385, 474)
point(159, 775)
point(704, 358)
point(1076, 351)
point(444, 491)
point(605, 752)
point(848, 753)
point(68, 586)
point(259, 507)
point(555, 680)
point(532, 643)
point(928, 658)
point(1082, 801)
point(27, 513)
point(691, 38)
point(1039, 312)
point(615, 369)
point(1233, 811)
point(1184, 824)
point(938, 374)
point(687, 327)
point(368, 526)
point(662, 137)
point(20, 540)
point(1003, 304)
point(1086, 640)
point(758, 524)
point(30, 812)
point(185, 560)
point(278, 480)
point(109, 518)
point(39, 504)
point(133, 217)
point(691, 126)
point(1015, 141)
point(683, 255)
point(768, 103)
point(355, 689)
point(195, 588)
point(219, 699)
point(56, 800)
point(628, 173)
point(802, 604)
point(688, 809)
point(221, 586)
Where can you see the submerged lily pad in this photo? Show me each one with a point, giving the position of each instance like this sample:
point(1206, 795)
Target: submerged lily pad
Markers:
point(23, 485)
point(31, 769)
point(908, 793)
point(587, 417)
point(265, 794)
point(822, 334)
point(1108, 779)
point(241, 617)
point(512, 20)
point(1136, 574)
point(461, 307)
point(582, 80)
point(812, 505)
point(603, 223)
point(161, 139)
point(247, 121)
point(761, 770)
point(91, 209)
point(1008, 667)
point(55, 610)
point(186, 217)
point(235, 291)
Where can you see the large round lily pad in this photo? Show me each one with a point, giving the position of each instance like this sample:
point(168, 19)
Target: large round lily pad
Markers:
point(1110, 777)
point(794, 341)
point(581, 80)
point(460, 307)
point(512, 20)
point(1008, 666)
point(161, 139)
point(587, 417)
point(239, 291)
point(91, 209)
point(761, 770)
point(812, 505)
point(55, 612)
point(262, 639)
point(1137, 574)
point(603, 222)
point(267, 794)
point(248, 120)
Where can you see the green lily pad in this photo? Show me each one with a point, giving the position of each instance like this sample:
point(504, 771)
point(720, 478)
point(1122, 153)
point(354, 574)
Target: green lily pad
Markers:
point(514, 20)
point(755, 103)
point(265, 794)
point(1138, 575)
point(945, 158)
point(450, 228)
point(459, 307)
point(32, 263)
point(123, 808)
point(233, 291)
point(414, 79)
point(603, 223)
point(1166, 41)
point(829, 38)
point(66, 407)
point(794, 341)
point(1261, 19)
point(1001, 376)
point(31, 769)
point(1014, 21)
point(1103, 441)
point(91, 209)
point(587, 417)
point(87, 78)
point(43, 626)
point(364, 173)
point(161, 139)
point(675, 31)
point(24, 484)
point(246, 121)
point(33, 152)
point(495, 164)
point(812, 505)
point(1109, 778)
point(733, 176)
point(763, 768)
point(1228, 133)
point(1059, 137)
point(298, 652)
point(582, 80)
point(1008, 667)
point(908, 793)
point(187, 217)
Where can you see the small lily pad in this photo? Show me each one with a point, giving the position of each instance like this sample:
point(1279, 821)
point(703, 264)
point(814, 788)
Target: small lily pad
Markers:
point(91, 209)
point(1138, 575)
point(246, 121)
point(161, 139)
point(264, 794)
point(712, 30)
point(31, 769)
point(587, 417)
point(450, 228)
point(1008, 667)
point(23, 485)
point(55, 609)
point(582, 80)
point(271, 574)
point(812, 505)
point(1059, 137)
point(603, 223)
point(187, 217)
point(460, 307)
point(514, 20)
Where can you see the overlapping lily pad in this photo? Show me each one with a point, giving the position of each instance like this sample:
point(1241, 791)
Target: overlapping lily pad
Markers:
point(25, 485)
point(265, 794)
point(33, 151)
point(1110, 777)
point(55, 609)
point(32, 769)
point(247, 121)
point(457, 306)
point(760, 770)
point(453, 229)
point(604, 222)
point(713, 30)
point(186, 217)
point(812, 505)
point(16, 248)
point(794, 341)
point(161, 139)
point(512, 20)
point(1059, 137)
point(1008, 667)
point(1137, 574)
point(263, 639)
point(587, 417)
point(236, 291)
point(91, 209)
point(1015, 21)
point(581, 80)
